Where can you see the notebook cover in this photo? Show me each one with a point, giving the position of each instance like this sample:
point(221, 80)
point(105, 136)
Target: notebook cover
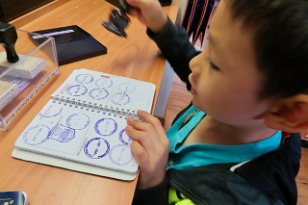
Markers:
point(71, 165)
point(72, 43)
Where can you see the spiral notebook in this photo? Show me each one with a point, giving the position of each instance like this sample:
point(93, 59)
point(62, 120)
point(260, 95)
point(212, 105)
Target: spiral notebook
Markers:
point(82, 126)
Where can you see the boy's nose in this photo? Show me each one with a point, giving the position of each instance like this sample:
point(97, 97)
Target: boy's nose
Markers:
point(194, 65)
point(193, 77)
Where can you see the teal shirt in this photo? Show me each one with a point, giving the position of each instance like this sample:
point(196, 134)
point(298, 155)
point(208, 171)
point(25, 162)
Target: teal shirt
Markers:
point(196, 155)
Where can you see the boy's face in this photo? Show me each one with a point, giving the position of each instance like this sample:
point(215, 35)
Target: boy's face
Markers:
point(225, 79)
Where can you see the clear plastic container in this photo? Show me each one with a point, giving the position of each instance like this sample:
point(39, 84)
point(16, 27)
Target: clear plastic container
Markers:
point(38, 65)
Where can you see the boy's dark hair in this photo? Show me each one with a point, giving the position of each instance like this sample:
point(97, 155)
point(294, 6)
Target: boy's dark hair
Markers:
point(281, 42)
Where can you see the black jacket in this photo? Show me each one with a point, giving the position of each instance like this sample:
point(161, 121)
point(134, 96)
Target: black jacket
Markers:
point(269, 179)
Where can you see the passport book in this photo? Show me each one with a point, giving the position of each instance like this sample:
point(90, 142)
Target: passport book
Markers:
point(13, 198)
point(83, 124)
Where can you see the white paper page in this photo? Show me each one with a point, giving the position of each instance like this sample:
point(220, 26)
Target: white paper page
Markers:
point(108, 90)
point(79, 134)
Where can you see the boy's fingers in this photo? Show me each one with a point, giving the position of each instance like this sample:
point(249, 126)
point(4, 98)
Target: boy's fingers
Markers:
point(133, 133)
point(140, 125)
point(140, 154)
point(151, 13)
point(147, 117)
point(154, 121)
point(140, 137)
point(148, 138)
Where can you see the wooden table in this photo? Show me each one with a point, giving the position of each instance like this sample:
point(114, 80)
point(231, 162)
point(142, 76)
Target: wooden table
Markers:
point(134, 56)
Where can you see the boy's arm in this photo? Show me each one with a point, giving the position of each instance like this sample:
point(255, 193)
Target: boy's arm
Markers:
point(172, 39)
point(150, 147)
point(174, 43)
point(157, 195)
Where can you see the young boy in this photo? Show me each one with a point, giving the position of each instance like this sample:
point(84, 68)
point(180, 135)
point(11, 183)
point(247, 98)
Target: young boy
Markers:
point(250, 90)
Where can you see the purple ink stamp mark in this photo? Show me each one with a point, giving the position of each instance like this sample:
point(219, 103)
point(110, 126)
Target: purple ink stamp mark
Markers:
point(127, 88)
point(62, 134)
point(106, 126)
point(77, 90)
point(84, 78)
point(121, 155)
point(78, 121)
point(51, 111)
point(120, 99)
point(96, 148)
point(104, 83)
point(36, 135)
point(98, 93)
point(124, 138)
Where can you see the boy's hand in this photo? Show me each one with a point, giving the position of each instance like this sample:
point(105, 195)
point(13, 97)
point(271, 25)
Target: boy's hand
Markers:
point(150, 13)
point(150, 147)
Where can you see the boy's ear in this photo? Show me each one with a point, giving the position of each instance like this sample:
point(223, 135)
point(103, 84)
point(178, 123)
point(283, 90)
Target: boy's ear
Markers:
point(288, 114)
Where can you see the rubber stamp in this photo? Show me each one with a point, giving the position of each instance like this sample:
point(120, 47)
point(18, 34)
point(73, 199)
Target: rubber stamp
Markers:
point(18, 66)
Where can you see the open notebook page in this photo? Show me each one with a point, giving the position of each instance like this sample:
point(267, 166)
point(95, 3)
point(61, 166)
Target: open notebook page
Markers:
point(108, 90)
point(81, 134)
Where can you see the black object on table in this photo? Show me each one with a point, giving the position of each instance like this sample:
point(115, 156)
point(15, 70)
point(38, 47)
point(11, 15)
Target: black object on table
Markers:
point(72, 43)
point(118, 19)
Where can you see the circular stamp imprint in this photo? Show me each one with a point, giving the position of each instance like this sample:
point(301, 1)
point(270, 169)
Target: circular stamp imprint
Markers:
point(84, 78)
point(96, 148)
point(127, 88)
point(121, 155)
point(77, 90)
point(78, 121)
point(104, 83)
point(36, 135)
point(106, 126)
point(52, 111)
point(98, 93)
point(124, 138)
point(120, 99)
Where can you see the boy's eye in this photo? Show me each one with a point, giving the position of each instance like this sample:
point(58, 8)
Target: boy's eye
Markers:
point(212, 65)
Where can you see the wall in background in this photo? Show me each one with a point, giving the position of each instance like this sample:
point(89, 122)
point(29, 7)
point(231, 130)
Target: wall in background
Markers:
point(10, 9)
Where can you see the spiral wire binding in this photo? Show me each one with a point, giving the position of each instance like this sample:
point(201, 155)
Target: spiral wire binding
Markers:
point(116, 112)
